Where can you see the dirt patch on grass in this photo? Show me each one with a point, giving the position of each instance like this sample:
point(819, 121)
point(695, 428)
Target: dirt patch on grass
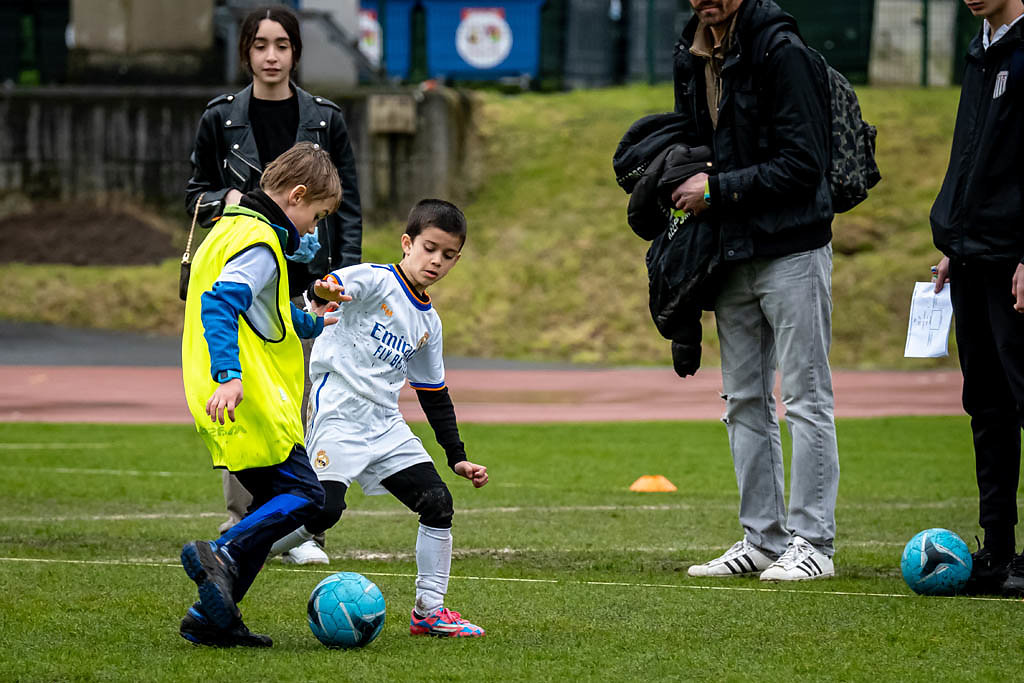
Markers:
point(84, 235)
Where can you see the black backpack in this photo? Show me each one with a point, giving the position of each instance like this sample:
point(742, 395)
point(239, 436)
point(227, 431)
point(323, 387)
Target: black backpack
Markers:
point(852, 168)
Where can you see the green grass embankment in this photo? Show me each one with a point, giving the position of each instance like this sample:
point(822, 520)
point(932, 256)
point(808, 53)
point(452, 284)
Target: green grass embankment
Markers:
point(551, 270)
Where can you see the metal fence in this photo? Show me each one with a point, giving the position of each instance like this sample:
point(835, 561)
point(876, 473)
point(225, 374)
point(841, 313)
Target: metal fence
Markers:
point(919, 41)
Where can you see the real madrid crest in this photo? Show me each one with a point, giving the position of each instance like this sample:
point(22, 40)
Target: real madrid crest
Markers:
point(321, 460)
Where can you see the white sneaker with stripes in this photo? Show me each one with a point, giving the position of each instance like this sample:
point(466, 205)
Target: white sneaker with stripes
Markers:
point(306, 553)
point(742, 559)
point(800, 562)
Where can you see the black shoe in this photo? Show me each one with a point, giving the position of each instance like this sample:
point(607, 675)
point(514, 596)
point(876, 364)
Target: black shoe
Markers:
point(197, 629)
point(987, 573)
point(1013, 587)
point(214, 573)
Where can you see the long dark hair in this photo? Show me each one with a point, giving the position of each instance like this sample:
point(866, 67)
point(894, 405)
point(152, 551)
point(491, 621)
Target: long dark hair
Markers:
point(251, 24)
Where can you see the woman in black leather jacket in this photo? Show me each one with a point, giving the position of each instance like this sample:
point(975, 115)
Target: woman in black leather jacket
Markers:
point(240, 134)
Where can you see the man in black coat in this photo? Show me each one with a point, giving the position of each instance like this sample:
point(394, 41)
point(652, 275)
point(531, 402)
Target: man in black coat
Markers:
point(978, 224)
point(758, 97)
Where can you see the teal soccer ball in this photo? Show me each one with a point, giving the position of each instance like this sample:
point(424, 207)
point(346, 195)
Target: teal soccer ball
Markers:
point(936, 562)
point(346, 610)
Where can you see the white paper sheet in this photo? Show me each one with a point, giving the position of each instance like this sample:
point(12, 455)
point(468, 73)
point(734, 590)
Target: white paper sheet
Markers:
point(930, 315)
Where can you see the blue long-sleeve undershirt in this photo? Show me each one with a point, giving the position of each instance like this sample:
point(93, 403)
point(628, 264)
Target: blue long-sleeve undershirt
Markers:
point(306, 325)
point(221, 308)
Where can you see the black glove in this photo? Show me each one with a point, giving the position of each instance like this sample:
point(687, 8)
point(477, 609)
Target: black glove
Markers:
point(685, 358)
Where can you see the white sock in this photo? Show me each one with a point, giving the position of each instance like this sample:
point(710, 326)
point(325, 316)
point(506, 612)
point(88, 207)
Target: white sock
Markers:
point(292, 540)
point(433, 567)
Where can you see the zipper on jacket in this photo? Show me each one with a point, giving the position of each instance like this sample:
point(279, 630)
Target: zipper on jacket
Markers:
point(232, 169)
point(975, 132)
point(246, 162)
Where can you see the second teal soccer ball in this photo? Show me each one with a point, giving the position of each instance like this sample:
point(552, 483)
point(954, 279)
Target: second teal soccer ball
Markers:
point(936, 562)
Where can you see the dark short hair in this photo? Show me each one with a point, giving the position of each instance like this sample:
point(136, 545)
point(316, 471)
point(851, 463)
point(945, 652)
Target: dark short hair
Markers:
point(251, 25)
point(436, 213)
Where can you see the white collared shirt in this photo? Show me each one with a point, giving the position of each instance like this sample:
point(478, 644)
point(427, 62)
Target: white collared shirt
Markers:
point(988, 42)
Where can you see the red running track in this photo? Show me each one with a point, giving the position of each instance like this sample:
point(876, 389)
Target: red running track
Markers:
point(154, 395)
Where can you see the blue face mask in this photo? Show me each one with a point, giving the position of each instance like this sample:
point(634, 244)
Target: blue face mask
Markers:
point(309, 245)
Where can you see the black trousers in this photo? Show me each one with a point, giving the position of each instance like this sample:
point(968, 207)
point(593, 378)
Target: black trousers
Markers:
point(990, 338)
point(284, 497)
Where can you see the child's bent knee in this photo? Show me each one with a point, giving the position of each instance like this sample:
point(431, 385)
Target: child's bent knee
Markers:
point(436, 508)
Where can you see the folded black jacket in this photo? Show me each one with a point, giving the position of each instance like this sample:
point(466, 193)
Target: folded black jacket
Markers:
point(650, 162)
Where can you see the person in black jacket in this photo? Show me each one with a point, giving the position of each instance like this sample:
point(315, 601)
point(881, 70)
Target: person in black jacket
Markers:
point(759, 98)
point(239, 134)
point(978, 225)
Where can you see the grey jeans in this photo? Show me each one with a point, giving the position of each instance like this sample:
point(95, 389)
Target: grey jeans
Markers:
point(778, 312)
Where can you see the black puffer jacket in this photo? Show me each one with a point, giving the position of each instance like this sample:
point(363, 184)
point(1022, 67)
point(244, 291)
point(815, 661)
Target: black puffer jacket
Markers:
point(650, 162)
point(225, 157)
point(770, 196)
point(979, 213)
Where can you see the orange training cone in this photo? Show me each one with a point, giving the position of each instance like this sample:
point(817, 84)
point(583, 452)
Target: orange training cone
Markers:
point(652, 483)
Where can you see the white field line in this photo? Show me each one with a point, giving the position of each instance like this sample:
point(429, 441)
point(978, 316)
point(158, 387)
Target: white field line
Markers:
point(104, 472)
point(496, 579)
point(499, 510)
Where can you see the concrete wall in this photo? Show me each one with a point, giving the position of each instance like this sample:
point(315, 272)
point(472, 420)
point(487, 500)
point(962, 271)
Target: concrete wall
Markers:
point(142, 41)
point(72, 143)
point(324, 64)
point(134, 26)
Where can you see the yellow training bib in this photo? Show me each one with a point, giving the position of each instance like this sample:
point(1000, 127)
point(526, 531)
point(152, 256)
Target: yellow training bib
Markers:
point(267, 421)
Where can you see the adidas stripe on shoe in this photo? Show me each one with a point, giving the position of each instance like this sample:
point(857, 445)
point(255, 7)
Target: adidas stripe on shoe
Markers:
point(742, 559)
point(801, 562)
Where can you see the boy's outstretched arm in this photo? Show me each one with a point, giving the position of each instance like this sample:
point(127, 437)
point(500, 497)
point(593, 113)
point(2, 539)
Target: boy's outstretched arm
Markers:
point(321, 297)
point(220, 309)
point(437, 406)
point(326, 290)
point(475, 473)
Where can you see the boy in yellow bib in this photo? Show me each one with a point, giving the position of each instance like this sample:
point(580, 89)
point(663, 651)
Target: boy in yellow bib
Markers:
point(239, 322)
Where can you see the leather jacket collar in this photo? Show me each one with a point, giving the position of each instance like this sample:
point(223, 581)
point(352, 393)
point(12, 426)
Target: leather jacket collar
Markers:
point(238, 132)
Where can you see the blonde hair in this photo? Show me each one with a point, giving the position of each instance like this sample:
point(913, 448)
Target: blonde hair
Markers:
point(306, 164)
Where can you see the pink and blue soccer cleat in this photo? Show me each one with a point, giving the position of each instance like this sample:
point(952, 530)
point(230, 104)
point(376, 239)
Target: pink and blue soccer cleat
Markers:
point(444, 624)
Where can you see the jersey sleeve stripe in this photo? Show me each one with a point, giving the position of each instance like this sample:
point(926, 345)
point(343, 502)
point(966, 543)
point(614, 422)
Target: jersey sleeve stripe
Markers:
point(418, 386)
point(336, 279)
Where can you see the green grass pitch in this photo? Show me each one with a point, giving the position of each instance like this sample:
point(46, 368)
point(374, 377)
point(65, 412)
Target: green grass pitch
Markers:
point(573, 576)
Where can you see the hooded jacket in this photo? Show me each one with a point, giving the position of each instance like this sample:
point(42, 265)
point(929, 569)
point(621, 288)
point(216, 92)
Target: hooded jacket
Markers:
point(225, 157)
point(979, 212)
point(770, 196)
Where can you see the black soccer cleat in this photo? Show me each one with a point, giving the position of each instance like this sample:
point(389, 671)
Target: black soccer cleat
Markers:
point(199, 630)
point(1013, 586)
point(988, 573)
point(214, 573)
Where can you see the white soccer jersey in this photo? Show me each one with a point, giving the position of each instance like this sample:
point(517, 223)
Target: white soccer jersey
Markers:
point(385, 335)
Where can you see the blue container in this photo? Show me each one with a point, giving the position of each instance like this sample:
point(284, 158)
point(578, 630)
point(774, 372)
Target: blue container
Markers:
point(396, 26)
point(484, 42)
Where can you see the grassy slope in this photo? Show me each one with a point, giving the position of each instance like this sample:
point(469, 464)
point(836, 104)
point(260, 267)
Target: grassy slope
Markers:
point(551, 270)
point(575, 577)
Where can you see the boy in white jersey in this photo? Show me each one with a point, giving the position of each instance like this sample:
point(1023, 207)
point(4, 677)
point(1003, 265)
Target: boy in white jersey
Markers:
point(387, 333)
